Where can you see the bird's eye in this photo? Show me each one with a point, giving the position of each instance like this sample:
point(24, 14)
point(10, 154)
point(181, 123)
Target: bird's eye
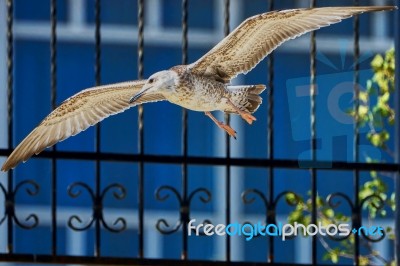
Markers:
point(151, 81)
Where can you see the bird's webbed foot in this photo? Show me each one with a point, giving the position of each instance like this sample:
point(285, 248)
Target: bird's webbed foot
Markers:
point(227, 128)
point(249, 118)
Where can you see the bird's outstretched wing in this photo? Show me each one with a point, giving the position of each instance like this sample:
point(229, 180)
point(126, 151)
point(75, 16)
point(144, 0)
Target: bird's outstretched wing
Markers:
point(76, 114)
point(258, 36)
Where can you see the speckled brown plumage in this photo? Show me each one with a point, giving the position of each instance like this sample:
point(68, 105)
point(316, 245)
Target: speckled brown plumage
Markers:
point(259, 35)
point(76, 114)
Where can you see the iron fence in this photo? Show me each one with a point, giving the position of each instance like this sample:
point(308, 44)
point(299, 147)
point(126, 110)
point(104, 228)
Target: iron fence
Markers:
point(10, 219)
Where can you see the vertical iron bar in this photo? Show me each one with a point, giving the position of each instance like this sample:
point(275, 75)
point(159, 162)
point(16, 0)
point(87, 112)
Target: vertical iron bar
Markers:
point(313, 143)
point(228, 147)
point(357, 209)
point(97, 70)
point(140, 127)
point(10, 83)
point(184, 254)
point(270, 132)
point(397, 134)
point(53, 73)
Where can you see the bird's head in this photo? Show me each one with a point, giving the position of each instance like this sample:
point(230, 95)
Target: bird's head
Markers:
point(163, 82)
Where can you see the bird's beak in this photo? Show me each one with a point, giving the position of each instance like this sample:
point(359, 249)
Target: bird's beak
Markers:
point(138, 96)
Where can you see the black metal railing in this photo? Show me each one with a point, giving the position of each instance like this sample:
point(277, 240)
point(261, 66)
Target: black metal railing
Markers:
point(185, 196)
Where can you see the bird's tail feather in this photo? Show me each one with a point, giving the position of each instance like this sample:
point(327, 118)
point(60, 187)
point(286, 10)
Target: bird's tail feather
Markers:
point(246, 97)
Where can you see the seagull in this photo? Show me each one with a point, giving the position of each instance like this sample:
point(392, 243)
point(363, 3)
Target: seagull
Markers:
point(201, 86)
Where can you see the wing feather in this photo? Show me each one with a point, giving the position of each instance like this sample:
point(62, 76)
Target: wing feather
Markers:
point(259, 35)
point(76, 114)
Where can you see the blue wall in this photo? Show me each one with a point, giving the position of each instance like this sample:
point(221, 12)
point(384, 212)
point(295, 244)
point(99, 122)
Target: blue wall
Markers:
point(163, 126)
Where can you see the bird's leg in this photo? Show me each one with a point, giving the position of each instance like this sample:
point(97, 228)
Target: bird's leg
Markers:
point(225, 127)
point(249, 118)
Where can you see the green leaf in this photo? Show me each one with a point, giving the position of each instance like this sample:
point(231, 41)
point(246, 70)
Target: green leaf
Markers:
point(385, 135)
point(391, 236)
point(364, 260)
point(377, 62)
point(391, 120)
point(362, 110)
point(373, 174)
point(385, 97)
point(363, 96)
point(374, 139)
point(292, 198)
point(329, 213)
point(327, 256)
point(334, 258)
point(378, 139)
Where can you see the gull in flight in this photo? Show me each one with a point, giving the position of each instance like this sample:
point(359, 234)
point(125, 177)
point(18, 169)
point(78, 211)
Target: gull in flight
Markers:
point(200, 86)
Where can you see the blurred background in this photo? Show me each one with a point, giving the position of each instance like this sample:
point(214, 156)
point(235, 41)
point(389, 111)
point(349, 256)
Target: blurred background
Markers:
point(163, 125)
